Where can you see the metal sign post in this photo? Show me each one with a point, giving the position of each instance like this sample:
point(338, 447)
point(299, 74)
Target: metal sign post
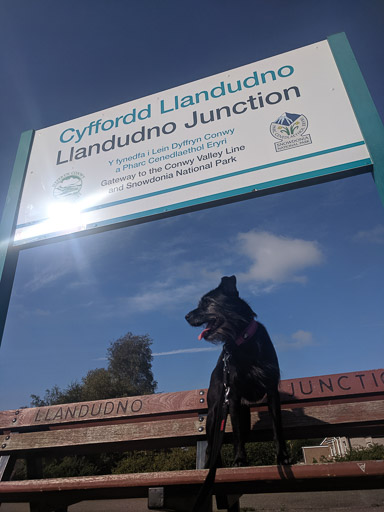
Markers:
point(8, 253)
point(365, 111)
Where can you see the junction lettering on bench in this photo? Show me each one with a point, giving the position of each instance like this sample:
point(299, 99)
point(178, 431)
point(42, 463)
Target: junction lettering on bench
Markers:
point(332, 385)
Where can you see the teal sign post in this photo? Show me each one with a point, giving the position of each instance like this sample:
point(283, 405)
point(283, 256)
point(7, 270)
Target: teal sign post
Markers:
point(366, 114)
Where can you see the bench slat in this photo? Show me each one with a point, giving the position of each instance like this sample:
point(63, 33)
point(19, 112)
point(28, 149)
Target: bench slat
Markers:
point(336, 417)
point(129, 407)
point(341, 419)
point(250, 479)
point(353, 412)
point(293, 391)
point(100, 436)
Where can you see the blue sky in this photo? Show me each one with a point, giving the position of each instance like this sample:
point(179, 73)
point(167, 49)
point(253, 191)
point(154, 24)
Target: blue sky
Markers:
point(309, 261)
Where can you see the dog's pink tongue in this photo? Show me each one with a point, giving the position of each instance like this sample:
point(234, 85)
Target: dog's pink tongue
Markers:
point(202, 334)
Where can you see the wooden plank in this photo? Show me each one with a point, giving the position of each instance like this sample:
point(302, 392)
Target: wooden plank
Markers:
point(101, 437)
point(129, 407)
point(253, 479)
point(339, 386)
point(335, 418)
point(332, 386)
point(335, 414)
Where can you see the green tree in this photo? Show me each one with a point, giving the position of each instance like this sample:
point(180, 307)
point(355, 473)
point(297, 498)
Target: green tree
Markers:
point(97, 385)
point(130, 365)
point(129, 373)
point(72, 393)
point(170, 459)
point(372, 452)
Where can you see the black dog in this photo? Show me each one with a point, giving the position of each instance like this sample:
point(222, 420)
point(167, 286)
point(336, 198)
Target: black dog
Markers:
point(252, 365)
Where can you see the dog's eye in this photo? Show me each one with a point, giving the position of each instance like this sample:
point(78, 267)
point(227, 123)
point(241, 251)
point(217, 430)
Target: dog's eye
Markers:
point(205, 302)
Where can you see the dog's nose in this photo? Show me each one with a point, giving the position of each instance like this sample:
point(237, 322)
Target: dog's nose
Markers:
point(188, 316)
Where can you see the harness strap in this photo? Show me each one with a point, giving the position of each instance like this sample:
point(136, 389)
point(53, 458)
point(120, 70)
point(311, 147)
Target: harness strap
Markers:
point(221, 419)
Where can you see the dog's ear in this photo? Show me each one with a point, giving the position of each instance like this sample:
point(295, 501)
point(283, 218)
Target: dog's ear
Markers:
point(228, 285)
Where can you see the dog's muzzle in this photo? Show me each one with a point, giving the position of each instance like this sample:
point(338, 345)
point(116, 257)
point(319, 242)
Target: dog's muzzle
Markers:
point(195, 319)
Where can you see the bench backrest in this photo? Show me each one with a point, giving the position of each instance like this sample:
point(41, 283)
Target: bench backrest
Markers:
point(342, 404)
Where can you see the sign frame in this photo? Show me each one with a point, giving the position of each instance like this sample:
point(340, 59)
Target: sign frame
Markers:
point(367, 118)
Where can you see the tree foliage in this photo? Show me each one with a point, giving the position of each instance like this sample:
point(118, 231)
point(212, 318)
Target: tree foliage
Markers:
point(373, 452)
point(54, 396)
point(130, 365)
point(171, 459)
point(129, 373)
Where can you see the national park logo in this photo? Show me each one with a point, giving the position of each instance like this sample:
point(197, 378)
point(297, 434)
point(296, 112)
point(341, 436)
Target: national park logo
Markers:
point(290, 130)
point(68, 186)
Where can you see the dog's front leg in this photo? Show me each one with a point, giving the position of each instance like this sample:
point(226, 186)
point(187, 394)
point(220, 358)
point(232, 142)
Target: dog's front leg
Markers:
point(214, 409)
point(241, 424)
point(275, 412)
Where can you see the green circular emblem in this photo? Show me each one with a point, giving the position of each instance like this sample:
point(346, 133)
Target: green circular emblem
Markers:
point(68, 186)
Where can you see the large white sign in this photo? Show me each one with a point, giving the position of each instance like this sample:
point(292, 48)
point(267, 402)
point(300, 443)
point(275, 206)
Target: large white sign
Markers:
point(280, 120)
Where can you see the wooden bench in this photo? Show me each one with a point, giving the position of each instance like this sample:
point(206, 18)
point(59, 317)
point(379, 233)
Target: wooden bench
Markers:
point(349, 404)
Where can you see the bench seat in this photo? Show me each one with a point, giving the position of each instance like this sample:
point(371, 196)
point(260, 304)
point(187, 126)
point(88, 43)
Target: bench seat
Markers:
point(247, 480)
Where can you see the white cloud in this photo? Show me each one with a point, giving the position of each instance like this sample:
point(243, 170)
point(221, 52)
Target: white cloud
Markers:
point(163, 296)
point(186, 351)
point(277, 259)
point(273, 260)
point(270, 261)
point(302, 338)
point(297, 340)
point(373, 236)
point(175, 352)
point(70, 262)
point(46, 276)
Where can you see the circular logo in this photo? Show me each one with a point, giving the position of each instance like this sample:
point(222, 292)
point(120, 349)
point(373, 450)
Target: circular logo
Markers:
point(288, 126)
point(68, 186)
